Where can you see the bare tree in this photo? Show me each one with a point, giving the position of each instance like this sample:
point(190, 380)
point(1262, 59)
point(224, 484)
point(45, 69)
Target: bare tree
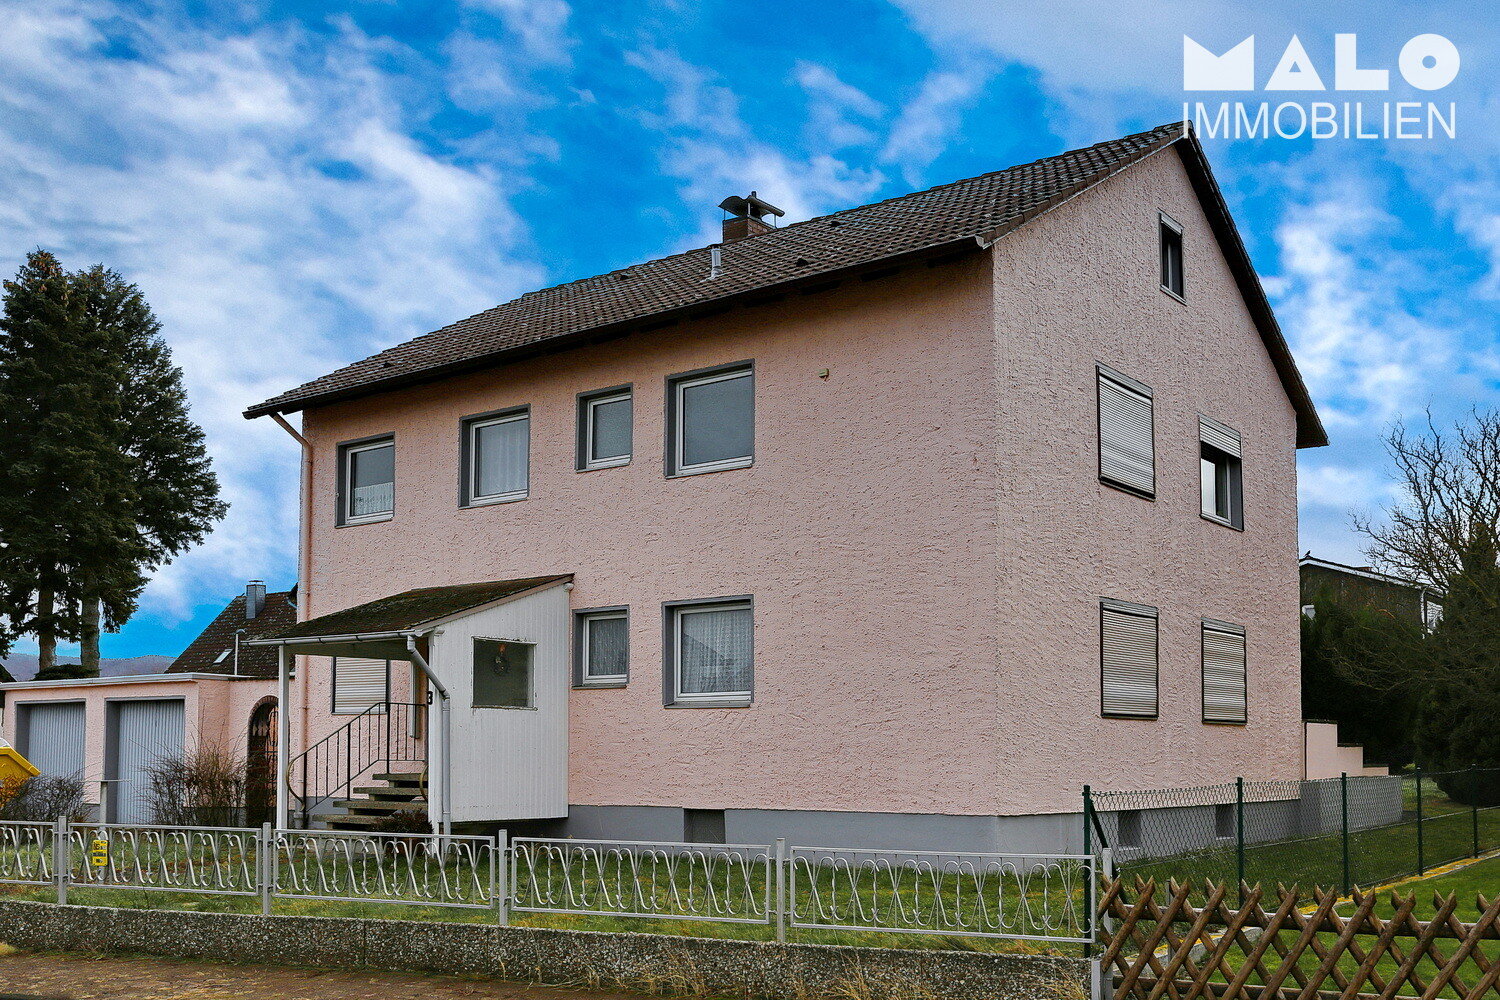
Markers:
point(1444, 532)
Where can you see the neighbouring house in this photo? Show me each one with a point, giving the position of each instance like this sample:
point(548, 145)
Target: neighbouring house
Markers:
point(108, 731)
point(891, 527)
point(1371, 717)
point(1322, 578)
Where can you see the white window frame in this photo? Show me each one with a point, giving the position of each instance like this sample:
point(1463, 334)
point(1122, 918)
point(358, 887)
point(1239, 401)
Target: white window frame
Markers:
point(589, 462)
point(586, 679)
point(681, 385)
point(350, 450)
point(471, 475)
point(675, 614)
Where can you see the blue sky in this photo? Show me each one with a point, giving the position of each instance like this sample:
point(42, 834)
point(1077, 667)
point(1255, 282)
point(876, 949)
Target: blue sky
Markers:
point(295, 186)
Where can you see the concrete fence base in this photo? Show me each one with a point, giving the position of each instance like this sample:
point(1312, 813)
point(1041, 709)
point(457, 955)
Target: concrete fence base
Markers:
point(649, 962)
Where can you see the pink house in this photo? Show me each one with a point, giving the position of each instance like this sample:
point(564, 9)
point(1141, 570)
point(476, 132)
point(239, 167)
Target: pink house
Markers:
point(893, 526)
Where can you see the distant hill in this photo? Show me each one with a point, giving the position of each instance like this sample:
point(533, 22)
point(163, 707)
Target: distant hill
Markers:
point(22, 666)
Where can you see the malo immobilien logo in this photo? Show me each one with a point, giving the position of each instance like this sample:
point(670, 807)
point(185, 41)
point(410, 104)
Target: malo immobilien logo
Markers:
point(1425, 63)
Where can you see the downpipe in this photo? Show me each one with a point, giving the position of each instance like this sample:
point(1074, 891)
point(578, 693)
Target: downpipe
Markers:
point(445, 744)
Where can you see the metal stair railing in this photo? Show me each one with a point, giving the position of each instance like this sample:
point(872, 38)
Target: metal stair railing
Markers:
point(382, 734)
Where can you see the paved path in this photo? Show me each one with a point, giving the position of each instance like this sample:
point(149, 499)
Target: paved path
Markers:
point(75, 977)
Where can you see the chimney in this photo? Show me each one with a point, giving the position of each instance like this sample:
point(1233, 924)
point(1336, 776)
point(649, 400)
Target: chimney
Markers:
point(255, 598)
point(747, 216)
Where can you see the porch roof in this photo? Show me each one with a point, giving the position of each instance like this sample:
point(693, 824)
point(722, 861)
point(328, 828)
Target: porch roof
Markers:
point(386, 621)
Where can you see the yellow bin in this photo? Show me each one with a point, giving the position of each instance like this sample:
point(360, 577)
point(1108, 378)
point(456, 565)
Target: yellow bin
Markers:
point(14, 768)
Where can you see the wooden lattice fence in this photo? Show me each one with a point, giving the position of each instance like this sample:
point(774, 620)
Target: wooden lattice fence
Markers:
point(1282, 943)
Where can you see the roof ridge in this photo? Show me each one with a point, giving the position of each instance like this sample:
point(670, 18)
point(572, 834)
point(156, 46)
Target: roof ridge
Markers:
point(537, 292)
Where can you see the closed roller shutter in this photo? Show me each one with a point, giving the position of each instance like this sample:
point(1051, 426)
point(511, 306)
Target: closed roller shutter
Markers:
point(1128, 659)
point(51, 737)
point(147, 734)
point(1223, 672)
point(359, 683)
point(1127, 453)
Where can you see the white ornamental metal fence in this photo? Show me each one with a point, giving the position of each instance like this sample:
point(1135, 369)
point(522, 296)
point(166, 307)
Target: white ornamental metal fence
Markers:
point(1034, 897)
point(1024, 896)
point(417, 869)
point(725, 883)
point(27, 853)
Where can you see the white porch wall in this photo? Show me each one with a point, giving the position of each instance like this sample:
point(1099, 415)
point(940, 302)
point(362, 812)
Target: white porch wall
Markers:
point(510, 763)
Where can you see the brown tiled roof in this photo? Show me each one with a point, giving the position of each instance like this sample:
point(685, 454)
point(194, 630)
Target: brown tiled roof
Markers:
point(410, 610)
point(202, 654)
point(949, 219)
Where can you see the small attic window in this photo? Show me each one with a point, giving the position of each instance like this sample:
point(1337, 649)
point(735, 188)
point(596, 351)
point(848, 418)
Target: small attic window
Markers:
point(1171, 255)
point(222, 657)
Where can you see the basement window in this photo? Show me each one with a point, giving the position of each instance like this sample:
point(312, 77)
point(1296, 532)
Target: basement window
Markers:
point(503, 673)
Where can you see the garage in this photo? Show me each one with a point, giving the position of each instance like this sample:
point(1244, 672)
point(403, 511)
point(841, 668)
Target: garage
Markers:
point(51, 736)
point(141, 732)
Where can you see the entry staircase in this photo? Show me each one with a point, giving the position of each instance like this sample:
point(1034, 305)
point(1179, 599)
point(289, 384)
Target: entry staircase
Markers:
point(383, 747)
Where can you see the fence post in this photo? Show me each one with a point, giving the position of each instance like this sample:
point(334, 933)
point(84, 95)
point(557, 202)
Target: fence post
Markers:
point(1239, 836)
point(1344, 825)
point(781, 900)
point(265, 852)
point(62, 855)
point(1474, 814)
point(1421, 847)
point(499, 884)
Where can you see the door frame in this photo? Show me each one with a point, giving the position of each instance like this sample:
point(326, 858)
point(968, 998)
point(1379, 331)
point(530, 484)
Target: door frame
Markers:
point(111, 811)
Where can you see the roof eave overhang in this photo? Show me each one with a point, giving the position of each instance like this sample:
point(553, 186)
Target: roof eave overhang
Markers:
point(610, 331)
point(1310, 431)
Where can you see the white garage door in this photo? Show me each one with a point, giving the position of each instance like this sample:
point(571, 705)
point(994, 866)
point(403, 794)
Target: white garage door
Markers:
point(51, 737)
point(145, 732)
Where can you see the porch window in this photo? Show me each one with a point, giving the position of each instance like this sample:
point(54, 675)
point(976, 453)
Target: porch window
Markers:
point(711, 420)
point(496, 457)
point(604, 420)
point(601, 647)
point(710, 652)
point(367, 474)
point(503, 673)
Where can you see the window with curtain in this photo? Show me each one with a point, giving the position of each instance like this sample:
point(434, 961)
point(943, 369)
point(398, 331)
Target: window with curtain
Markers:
point(497, 455)
point(1128, 659)
point(1127, 449)
point(367, 474)
point(711, 652)
point(359, 684)
point(602, 646)
point(1223, 672)
point(712, 421)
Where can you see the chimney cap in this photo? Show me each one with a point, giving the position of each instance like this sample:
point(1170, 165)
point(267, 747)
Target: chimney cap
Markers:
point(752, 207)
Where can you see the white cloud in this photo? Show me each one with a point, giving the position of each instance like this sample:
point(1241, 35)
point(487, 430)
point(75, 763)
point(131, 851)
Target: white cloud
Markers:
point(264, 191)
point(930, 120)
point(839, 114)
point(541, 26)
point(714, 154)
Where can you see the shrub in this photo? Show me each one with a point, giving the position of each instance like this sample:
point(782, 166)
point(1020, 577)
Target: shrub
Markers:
point(45, 798)
point(201, 787)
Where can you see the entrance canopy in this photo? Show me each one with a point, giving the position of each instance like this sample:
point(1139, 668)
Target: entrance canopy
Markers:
point(380, 629)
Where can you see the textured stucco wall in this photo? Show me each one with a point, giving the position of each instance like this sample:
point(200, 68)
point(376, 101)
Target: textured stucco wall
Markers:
point(642, 961)
point(865, 531)
point(1080, 288)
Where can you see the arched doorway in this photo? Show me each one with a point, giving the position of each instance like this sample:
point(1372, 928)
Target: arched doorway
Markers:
point(260, 764)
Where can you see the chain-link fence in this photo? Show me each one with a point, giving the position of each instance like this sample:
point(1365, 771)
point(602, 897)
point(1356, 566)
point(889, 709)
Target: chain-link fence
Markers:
point(1353, 830)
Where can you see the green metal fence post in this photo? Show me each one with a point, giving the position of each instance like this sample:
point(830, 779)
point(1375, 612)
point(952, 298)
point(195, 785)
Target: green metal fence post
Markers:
point(1474, 794)
point(1421, 853)
point(1239, 836)
point(1344, 813)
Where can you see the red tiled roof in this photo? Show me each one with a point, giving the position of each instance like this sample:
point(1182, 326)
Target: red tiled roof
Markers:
point(949, 219)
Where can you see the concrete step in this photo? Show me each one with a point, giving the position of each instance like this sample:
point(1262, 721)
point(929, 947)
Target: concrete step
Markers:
point(409, 779)
point(388, 792)
point(353, 823)
point(377, 807)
